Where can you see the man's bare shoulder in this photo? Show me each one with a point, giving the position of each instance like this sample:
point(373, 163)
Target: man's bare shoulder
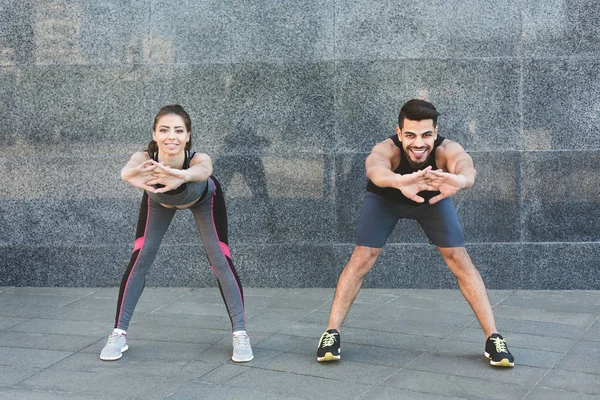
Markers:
point(386, 147)
point(449, 146)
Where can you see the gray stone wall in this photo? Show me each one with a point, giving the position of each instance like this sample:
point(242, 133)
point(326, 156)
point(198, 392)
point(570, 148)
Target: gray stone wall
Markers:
point(288, 97)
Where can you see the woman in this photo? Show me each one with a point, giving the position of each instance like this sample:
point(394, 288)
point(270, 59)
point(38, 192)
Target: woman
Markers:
point(174, 178)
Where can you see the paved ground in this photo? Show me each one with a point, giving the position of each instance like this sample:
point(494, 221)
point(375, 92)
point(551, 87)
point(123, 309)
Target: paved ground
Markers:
point(397, 344)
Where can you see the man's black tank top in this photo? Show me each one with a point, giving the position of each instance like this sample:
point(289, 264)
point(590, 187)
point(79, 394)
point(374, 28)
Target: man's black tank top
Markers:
point(395, 195)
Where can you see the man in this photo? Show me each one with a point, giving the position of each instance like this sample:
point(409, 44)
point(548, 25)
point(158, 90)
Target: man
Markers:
point(413, 175)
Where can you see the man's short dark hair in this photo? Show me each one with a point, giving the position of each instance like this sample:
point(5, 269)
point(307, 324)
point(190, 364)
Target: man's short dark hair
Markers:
point(417, 110)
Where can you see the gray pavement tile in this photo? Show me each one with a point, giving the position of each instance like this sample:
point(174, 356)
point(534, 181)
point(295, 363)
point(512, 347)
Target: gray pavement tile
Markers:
point(24, 311)
point(224, 372)
point(45, 341)
point(183, 321)
point(219, 392)
point(275, 319)
point(580, 363)
point(307, 304)
point(456, 295)
point(589, 348)
point(33, 394)
point(535, 358)
point(151, 350)
point(217, 353)
point(11, 375)
point(397, 358)
point(32, 299)
point(90, 362)
point(96, 309)
point(52, 291)
point(547, 329)
point(322, 294)
point(306, 329)
point(177, 334)
point(452, 385)
point(269, 292)
point(256, 303)
point(317, 317)
point(149, 293)
point(590, 297)
point(541, 393)
point(584, 356)
point(9, 322)
point(288, 384)
point(477, 367)
point(411, 314)
point(64, 327)
point(571, 381)
point(33, 358)
point(289, 343)
point(388, 393)
point(387, 339)
point(561, 303)
point(539, 315)
point(349, 371)
point(421, 328)
point(210, 308)
point(123, 385)
point(422, 303)
point(593, 333)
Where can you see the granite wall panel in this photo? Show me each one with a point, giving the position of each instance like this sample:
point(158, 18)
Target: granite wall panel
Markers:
point(480, 103)
point(288, 99)
point(561, 99)
point(368, 30)
point(559, 28)
point(561, 196)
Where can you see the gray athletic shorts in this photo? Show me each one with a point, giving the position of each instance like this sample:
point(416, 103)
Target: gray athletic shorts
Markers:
point(378, 219)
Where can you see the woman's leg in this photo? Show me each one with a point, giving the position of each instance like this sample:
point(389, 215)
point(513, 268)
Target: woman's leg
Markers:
point(211, 218)
point(153, 222)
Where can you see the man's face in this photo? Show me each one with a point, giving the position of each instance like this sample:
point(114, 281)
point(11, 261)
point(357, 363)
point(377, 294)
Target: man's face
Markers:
point(417, 138)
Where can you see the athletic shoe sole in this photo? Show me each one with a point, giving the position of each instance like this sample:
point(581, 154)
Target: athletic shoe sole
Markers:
point(123, 350)
point(328, 357)
point(242, 360)
point(502, 363)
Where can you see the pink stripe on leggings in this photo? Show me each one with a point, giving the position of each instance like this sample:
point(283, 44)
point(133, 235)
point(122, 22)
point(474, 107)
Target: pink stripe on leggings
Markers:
point(225, 250)
point(137, 245)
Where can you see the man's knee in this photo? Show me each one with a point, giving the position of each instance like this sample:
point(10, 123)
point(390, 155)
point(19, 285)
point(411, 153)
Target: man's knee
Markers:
point(362, 260)
point(457, 259)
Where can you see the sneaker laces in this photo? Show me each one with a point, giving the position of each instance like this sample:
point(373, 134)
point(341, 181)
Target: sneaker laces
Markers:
point(328, 339)
point(242, 340)
point(113, 338)
point(500, 345)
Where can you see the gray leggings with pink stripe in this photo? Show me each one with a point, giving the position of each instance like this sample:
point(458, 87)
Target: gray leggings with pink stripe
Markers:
point(211, 217)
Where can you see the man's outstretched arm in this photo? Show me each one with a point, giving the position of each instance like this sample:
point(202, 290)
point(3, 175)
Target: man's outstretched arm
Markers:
point(461, 172)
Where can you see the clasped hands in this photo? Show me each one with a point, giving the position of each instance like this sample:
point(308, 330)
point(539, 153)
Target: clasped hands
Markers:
point(151, 173)
point(429, 179)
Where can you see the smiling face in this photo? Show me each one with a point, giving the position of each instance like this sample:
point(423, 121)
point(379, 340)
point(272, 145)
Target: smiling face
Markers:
point(170, 134)
point(417, 138)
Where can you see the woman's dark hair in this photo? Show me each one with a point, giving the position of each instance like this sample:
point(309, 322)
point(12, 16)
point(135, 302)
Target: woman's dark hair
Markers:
point(417, 110)
point(172, 109)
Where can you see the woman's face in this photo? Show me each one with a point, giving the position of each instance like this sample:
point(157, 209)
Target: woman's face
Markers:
point(170, 134)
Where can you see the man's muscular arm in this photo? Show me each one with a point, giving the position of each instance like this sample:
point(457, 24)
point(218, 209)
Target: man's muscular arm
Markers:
point(461, 171)
point(379, 171)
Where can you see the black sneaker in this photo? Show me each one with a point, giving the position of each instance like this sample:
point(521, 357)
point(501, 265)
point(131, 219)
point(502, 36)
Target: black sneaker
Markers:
point(329, 346)
point(497, 352)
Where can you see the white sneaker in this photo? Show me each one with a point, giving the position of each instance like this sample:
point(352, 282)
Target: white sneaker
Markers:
point(242, 351)
point(116, 345)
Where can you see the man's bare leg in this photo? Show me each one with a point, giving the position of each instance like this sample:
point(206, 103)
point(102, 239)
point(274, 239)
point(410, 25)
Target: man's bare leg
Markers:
point(360, 263)
point(471, 285)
